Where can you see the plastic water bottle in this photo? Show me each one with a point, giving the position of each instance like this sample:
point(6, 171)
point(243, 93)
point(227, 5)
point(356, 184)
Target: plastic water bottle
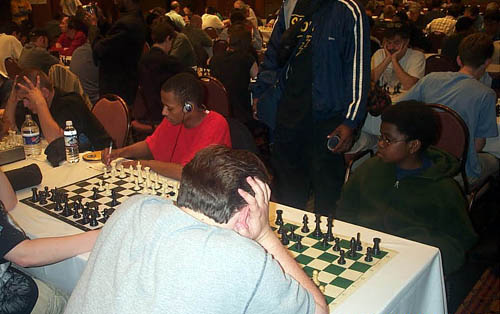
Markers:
point(31, 137)
point(71, 143)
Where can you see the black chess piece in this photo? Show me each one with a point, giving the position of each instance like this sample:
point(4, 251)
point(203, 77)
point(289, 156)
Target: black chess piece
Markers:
point(305, 228)
point(376, 246)
point(281, 229)
point(76, 213)
point(93, 218)
point(368, 256)
point(52, 195)
point(292, 235)
point(95, 192)
point(34, 197)
point(58, 204)
point(66, 211)
point(359, 247)
point(46, 190)
point(299, 245)
point(114, 197)
point(341, 260)
point(279, 217)
point(317, 231)
point(325, 243)
point(42, 198)
point(329, 231)
point(284, 239)
point(336, 247)
point(352, 248)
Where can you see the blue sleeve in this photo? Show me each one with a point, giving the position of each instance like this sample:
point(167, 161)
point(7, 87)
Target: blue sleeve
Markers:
point(356, 63)
point(414, 93)
point(487, 126)
point(270, 58)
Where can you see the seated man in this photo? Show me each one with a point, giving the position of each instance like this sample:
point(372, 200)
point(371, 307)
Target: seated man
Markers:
point(19, 292)
point(210, 19)
point(186, 128)
point(72, 36)
point(395, 65)
point(35, 54)
point(51, 108)
point(407, 190)
point(472, 100)
point(214, 253)
point(445, 25)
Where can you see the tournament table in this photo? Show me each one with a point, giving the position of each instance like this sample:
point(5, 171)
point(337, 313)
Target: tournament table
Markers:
point(411, 282)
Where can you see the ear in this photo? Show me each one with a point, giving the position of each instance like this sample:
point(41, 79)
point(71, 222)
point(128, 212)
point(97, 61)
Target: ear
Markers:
point(459, 62)
point(414, 146)
point(241, 219)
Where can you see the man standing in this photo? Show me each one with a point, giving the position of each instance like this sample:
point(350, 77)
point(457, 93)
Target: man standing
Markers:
point(118, 52)
point(175, 16)
point(320, 51)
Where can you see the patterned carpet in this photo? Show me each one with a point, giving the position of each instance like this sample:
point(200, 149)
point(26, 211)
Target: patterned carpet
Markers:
point(485, 296)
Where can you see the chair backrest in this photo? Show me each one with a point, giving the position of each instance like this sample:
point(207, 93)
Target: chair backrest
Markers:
point(112, 111)
point(12, 67)
point(201, 56)
point(220, 46)
point(241, 137)
point(436, 40)
point(440, 63)
point(212, 32)
point(453, 135)
point(216, 98)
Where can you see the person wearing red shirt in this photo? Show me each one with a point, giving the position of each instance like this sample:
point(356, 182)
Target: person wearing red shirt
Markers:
point(71, 37)
point(187, 128)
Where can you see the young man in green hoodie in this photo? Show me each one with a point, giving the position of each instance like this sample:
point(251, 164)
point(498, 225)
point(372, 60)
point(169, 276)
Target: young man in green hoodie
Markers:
point(408, 190)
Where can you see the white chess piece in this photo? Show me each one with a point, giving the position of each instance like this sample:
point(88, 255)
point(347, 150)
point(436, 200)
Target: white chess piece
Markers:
point(123, 174)
point(105, 175)
point(136, 184)
point(101, 186)
point(157, 182)
point(139, 172)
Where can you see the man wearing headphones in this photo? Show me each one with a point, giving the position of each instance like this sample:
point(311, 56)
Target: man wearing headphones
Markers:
point(187, 128)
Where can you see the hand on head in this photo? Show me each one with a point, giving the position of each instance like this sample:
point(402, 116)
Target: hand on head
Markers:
point(253, 221)
point(31, 94)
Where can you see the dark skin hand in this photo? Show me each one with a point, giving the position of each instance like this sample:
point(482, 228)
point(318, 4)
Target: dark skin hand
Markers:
point(346, 135)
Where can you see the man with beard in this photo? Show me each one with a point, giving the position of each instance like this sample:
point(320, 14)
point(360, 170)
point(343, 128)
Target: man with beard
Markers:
point(395, 64)
point(118, 52)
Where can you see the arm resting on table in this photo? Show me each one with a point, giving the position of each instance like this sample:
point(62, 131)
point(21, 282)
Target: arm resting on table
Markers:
point(7, 194)
point(166, 169)
point(43, 251)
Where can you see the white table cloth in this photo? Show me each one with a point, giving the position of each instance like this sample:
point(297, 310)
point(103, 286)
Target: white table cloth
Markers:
point(411, 282)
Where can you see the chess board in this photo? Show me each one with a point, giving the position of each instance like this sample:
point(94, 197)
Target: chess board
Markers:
point(84, 190)
point(339, 281)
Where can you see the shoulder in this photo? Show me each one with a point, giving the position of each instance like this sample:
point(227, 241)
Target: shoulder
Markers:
point(215, 118)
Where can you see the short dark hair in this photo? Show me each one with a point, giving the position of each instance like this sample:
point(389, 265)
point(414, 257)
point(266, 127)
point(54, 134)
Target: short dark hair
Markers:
point(9, 28)
point(436, 4)
point(32, 73)
point(161, 29)
point(210, 181)
point(37, 32)
point(415, 120)
point(237, 15)
point(463, 24)
point(211, 10)
point(186, 87)
point(240, 38)
point(393, 29)
point(475, 49)
point(455, 10)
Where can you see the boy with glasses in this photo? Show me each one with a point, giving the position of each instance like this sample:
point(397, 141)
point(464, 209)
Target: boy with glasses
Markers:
point(408, 189)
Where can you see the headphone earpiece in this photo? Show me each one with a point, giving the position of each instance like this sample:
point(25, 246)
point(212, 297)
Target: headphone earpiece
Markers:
point(187, 107)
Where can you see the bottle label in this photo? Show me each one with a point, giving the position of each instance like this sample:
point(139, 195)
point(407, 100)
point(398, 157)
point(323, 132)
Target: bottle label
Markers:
point(71, 140)
point(31, 139)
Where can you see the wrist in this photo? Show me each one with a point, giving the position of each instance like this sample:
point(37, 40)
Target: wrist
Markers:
point(267, 239)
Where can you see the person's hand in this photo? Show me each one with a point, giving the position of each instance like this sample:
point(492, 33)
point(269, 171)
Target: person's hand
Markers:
point(106, 157)
point(401, 51)
point(254, 108)
point(388, 54)
point(90, 19)
point(256, 224)
point(33, 94)
point(345, 134)
point(13, 93)
point(133, 163)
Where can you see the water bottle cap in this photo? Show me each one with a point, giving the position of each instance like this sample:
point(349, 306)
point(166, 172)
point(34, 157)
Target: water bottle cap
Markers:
point(69, 123)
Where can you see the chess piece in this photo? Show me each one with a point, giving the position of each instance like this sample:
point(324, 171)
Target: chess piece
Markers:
point(34, 197)
point(317, 231)
point(325, 243)
point(93, 218)
point(315, 279)
point(122, 172)
point(42, 197)
point(293, 236)
point(341, 260)
point(359, 247)
point(336, 247)
point(136, 184)
point(279, 217)
point(101, 186)
point(76, 213)
point(157, 185)
point(368, 256)
point(305, 228)
point(105, 175)
point(139, 172)
point(114, 202)
point(66, 211)
point(329, 232)
point(94, 195)
point(376, 246)
point(352, 248)
point(299, 245)
point(284, 239)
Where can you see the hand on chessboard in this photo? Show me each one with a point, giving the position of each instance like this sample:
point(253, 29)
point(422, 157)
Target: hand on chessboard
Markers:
point(254, 218)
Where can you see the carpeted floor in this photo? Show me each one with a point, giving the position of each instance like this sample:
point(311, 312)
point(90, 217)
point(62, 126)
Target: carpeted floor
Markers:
point(484, 296)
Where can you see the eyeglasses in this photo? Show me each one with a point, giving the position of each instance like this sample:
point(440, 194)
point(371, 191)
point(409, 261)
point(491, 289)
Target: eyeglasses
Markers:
point(388, 141)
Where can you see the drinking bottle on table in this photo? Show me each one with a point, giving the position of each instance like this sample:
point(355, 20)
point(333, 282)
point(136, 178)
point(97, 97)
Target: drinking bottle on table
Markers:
point(31, 137)
point(71, 143)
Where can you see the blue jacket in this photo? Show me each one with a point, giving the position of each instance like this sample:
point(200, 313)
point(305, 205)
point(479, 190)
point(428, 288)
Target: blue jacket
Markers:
point(341, 59)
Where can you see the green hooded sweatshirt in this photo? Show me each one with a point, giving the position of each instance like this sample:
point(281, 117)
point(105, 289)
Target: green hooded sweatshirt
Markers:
point(428, 207)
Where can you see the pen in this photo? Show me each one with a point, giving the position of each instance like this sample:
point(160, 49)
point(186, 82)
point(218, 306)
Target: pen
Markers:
point(110, 147)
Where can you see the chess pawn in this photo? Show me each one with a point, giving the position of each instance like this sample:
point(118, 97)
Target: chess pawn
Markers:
point(105, 175)
point(139, 172)
point(147, 170)
point(136, 184)
point(157, 182)
point(122, 172)
point(101, 186)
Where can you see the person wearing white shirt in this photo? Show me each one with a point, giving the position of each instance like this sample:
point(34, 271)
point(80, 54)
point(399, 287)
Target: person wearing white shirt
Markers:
point(10, 47)
point(209, 19)
point(175, 9)
point(395, 65)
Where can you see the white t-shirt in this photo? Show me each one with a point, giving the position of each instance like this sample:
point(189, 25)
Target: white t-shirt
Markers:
point(413, 62)
point(10, 47)
point(176, 18)
point(210, 20)
point(151, 257)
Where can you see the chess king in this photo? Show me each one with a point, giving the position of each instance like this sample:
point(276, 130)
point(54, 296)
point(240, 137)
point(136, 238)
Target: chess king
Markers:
point(213, 251)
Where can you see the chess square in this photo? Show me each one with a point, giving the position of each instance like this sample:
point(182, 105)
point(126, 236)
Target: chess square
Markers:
point(313, 252)
point(326, 277)
point(80, 191)
point(328, 257)
point(351, 274)
point(319, 246)
point(303, 259)
point(361, 267)
point(341, 282)
point(334, 269)
point(318, 264)
point(333, 291)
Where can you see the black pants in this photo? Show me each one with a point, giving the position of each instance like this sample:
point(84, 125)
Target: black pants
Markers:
point(302, 162)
